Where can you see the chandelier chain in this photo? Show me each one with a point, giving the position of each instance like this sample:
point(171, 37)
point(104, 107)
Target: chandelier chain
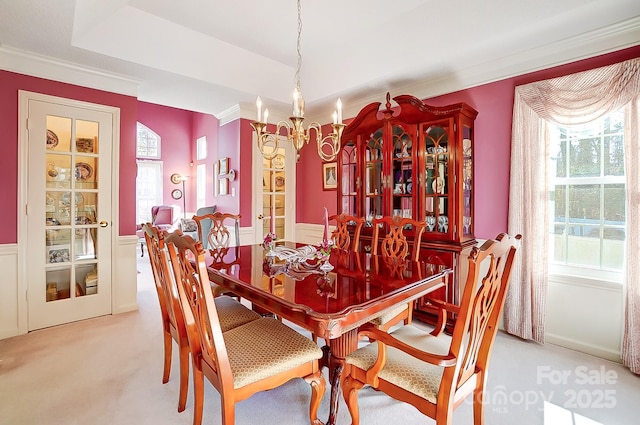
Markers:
point(299, 66)
point(294, 131)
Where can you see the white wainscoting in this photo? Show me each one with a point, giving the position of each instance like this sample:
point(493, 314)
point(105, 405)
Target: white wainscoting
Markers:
point(585, 316)
point(9, 290)
point(13, 303)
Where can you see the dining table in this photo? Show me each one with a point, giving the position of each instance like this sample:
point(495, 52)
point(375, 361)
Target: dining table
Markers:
point(330, 296)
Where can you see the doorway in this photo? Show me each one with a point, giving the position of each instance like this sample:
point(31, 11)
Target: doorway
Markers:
point(275, 189)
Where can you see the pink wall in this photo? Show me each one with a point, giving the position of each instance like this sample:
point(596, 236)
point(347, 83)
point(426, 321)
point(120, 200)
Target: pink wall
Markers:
point(310, 197)
point(494, 103)
point(229, 147)
point(205, 125)
point(10, 83)
point(174, 126)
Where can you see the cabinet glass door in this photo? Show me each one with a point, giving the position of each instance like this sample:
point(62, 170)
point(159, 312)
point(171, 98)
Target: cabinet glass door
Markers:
point(467, 181)
point(437, 196)
point(373, 178)
point(402, 173)
point(349, 180)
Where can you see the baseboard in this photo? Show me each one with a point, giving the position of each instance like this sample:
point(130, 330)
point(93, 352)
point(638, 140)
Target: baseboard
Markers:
point(583, 347)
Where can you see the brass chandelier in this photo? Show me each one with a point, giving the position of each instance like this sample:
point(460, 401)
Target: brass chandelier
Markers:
point(268, 143)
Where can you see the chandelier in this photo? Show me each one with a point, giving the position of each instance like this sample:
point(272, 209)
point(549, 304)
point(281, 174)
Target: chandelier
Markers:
point(268, 143)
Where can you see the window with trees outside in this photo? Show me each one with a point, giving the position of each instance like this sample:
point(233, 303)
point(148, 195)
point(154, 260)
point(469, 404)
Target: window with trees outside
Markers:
point(587, 198)
point(147, 143)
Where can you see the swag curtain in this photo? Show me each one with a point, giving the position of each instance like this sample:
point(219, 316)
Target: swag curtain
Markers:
point(569, 100)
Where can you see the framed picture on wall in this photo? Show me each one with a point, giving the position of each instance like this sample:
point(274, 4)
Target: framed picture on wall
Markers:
point(330, 176)
point(224, 165)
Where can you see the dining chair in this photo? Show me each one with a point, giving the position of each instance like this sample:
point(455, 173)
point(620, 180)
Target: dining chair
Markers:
point(342, 237)
point(213, 232)
point(394, 246)
point(435, 372)
point(232, 313)
point(215, 236)
point(258, 356)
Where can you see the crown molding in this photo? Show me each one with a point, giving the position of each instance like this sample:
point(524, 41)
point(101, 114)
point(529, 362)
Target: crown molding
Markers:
point(230, 114)
point(28, 63)
point(593, 43)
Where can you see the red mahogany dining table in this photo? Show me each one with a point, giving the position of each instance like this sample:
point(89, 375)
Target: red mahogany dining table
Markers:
point(331, 305)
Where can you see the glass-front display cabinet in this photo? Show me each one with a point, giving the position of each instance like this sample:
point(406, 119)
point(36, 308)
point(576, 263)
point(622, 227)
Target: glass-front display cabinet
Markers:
point(412, 160)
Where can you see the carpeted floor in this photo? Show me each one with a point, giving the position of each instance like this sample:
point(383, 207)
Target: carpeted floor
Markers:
point(107, 371)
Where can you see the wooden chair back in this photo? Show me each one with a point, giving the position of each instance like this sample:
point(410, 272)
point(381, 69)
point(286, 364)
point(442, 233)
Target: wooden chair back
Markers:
point(341, 236)
point(213, 354)
point(218, 235)
point(480, 308)
point(394, 249)
point(394, 243)
point(172, 318)
point(442, 381)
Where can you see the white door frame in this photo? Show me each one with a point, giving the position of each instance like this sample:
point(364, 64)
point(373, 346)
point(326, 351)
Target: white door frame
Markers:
point(23, 155)
point(290, 190)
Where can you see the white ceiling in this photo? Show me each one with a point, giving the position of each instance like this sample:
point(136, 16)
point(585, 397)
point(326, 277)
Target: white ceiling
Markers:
point(213, 55)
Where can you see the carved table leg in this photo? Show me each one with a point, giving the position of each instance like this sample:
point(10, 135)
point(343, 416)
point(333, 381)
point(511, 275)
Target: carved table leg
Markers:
point(340, 348)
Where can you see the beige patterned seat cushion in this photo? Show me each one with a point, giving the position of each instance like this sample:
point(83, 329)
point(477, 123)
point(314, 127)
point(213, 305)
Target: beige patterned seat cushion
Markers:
point(378, 321)
point(264, 348)
point(405, 371)
point(233, 314)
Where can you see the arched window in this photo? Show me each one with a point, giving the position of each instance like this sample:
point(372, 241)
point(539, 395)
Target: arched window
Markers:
point(148, 143)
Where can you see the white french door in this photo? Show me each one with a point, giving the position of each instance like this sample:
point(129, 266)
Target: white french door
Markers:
point(275, 189)
point(68, 224)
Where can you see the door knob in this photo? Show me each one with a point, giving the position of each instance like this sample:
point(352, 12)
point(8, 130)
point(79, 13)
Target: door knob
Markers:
point(104, 223)
point(260, 216)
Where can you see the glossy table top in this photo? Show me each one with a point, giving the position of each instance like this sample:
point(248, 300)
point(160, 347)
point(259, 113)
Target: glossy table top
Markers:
point(358, 288)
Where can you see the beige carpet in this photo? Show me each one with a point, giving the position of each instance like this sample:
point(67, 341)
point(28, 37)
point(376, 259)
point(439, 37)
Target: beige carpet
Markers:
point(108, 371)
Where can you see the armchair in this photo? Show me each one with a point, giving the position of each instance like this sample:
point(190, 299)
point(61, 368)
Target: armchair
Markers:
point(161, 218)
point(435, 372)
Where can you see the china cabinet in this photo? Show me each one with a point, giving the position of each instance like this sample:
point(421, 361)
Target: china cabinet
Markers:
point(413, 160)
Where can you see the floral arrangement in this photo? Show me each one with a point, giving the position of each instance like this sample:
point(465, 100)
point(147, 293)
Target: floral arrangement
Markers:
point(324, 250)
point(269, 241)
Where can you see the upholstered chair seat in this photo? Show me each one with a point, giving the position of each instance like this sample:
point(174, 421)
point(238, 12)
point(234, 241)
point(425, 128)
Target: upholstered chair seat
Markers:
point(264, 348)
point(232, 313)
point(403, 370)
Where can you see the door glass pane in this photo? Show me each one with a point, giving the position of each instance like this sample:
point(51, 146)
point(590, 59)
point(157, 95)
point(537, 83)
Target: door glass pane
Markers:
point(58, 171)
point(86, 172)
point(86, 136)
point(86, 280)
point(58, 284)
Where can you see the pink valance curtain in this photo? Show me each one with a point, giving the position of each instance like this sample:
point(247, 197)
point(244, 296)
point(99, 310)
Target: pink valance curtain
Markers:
point(569, 100)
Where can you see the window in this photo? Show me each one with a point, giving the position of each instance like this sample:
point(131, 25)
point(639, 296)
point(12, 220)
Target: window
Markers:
point(148, 143)
point(201, 148)
point(587, 202)
point(148, 189)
